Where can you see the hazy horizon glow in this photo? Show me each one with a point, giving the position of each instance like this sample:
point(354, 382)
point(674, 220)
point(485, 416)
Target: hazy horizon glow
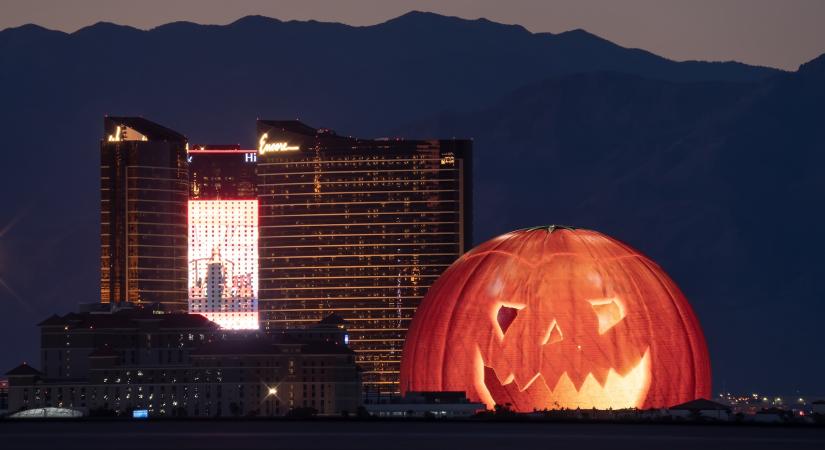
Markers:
point(760, 32)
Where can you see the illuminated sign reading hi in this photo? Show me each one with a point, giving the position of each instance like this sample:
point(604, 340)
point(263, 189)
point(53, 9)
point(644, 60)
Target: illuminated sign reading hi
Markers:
point(265, 147)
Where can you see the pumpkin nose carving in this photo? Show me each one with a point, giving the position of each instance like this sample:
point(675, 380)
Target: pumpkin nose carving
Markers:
point(553, 335)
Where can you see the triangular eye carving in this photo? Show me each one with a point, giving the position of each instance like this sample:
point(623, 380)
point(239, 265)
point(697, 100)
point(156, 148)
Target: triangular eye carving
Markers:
point(609, 311)
point(505, 317)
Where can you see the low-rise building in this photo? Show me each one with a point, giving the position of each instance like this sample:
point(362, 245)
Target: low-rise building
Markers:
point(700, 408)
point(422, 404)
point(183, 365)
point(771, 415)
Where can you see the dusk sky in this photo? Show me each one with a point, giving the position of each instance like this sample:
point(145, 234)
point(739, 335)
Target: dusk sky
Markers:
point(782, 34)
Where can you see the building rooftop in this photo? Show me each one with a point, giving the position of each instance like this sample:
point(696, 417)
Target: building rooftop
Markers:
point(701, 404)
point(329, 138)
point(53, 320)
point(219, 148)
point(268, 346)
point(325, 348)
point(293, 126)
point(23, 370)
point(435, 397)
point(152, 130)
point(128, 318)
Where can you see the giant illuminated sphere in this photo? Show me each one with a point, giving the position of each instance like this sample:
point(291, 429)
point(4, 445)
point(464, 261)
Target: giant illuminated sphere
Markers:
point(556, 317)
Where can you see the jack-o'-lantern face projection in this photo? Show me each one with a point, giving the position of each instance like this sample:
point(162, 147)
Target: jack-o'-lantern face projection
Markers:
point(555, 317)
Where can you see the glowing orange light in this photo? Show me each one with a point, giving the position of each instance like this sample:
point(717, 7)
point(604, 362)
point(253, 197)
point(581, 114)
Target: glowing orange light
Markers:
point(115, 137)
point(552, 318)
point(126, 134)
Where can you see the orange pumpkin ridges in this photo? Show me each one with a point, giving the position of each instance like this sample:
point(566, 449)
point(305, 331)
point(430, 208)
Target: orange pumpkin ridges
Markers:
point(557, 317)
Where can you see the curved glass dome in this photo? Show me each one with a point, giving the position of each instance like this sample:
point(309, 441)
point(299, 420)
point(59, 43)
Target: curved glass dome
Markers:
point(49, 412)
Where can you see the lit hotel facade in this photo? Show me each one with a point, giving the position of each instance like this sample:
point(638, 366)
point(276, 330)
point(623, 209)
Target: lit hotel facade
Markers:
point(309, 224)
point(360, 228)
point(143, 213)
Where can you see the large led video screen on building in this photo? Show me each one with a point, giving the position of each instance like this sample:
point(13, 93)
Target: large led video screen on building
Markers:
point(223, 262)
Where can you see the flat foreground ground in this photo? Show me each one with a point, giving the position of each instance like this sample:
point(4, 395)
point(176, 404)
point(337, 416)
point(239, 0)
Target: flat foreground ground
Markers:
point(340, 435)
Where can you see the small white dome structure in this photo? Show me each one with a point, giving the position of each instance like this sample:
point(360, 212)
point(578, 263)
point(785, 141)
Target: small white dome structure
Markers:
point(47, 413)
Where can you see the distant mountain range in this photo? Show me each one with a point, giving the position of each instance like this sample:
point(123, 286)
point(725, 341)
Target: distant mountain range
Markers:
point(713, 169)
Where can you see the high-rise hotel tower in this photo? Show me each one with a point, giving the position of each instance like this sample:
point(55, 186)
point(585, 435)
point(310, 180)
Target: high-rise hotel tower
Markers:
point(223, 236)
point(143, 196)
point(357, 227)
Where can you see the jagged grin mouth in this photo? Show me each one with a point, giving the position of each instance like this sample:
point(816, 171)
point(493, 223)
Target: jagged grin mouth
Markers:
point(618, 391)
